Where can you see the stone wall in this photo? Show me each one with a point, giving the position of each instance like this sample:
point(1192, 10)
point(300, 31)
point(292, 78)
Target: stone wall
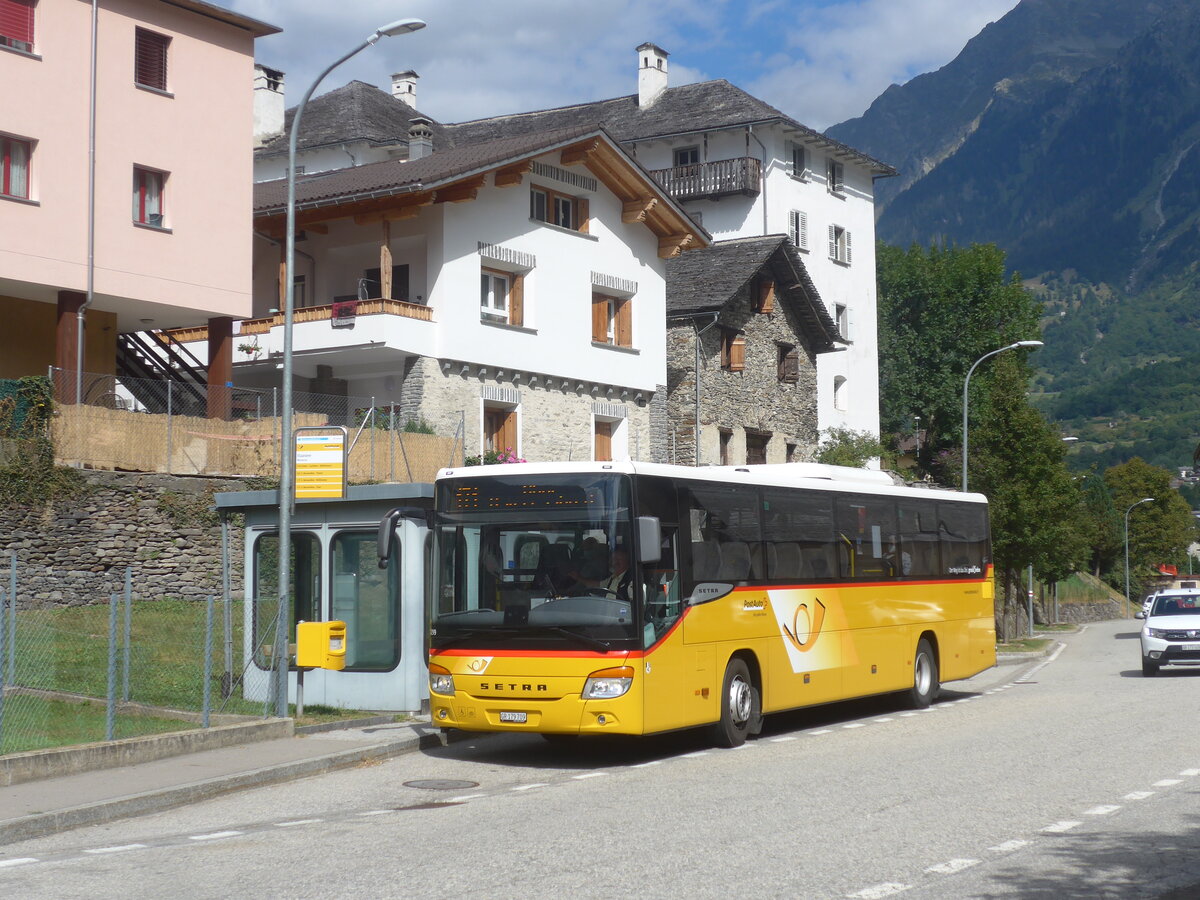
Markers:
point(75, 552)
point(752, 401)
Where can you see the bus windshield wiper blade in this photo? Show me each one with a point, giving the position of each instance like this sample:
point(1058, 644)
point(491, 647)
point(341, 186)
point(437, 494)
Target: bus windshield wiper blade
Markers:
point(586, 640)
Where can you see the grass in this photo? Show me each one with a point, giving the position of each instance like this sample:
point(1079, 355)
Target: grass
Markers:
point(36, 723)
point(1023, 645)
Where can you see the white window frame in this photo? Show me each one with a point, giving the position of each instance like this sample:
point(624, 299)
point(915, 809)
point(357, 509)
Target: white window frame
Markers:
point(835, 177)
point(494, 308)
point(798, 229)
point(798, 152)
point(143, 201)
point(839, 244)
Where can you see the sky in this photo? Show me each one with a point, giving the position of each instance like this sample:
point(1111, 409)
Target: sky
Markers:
point(819, 61)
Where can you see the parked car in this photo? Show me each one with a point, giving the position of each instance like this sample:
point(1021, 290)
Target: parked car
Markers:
point(1171, 631)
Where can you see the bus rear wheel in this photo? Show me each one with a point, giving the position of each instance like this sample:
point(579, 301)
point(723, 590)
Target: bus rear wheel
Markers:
point(740, 706)
point(925, 676)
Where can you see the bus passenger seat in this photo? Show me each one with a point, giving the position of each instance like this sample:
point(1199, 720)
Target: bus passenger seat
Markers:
point(706, 560)
point(788, 560)
point(735, 561)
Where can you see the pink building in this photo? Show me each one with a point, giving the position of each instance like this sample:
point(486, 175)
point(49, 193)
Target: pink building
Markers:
point(169, 242)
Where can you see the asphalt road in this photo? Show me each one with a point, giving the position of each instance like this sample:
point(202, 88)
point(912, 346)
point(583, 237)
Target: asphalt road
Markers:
point(1070, 778)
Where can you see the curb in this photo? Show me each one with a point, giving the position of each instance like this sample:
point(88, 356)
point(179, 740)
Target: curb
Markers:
point(42, 824)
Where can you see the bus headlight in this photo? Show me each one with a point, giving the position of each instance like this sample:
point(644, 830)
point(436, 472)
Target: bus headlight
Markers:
point(608, 683)
point(440, 679)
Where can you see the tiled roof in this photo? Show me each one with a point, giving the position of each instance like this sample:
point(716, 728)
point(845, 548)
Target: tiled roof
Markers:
point(354, 112)
point(678, 110)
point(704, 280)
point(398, 176)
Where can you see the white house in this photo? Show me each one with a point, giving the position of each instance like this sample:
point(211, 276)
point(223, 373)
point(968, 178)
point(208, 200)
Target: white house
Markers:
point(485, 288)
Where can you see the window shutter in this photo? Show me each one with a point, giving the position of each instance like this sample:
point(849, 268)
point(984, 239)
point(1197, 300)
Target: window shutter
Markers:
point(803, 220)
point(737, 354)
point(833, 242)
point(847, 248)
point(603, 447)
point(794, 227)
point(766, 295)
point(624, 324)
point(599, 319)
point(849, 333)
point(16, 24)
point(581, 210)
point(150, 59)
point(516, 300)
point(789, 367)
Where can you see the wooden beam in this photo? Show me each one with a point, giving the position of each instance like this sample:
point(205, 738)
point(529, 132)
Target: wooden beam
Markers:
point(672, 245)
point(578, 153)
point(512, 175)
point(461, 191)
point(637, 210)
point(317, 228)
point(385, 261)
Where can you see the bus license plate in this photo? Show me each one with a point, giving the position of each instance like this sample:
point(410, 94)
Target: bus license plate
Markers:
point(1190, 647)
point(519, 717)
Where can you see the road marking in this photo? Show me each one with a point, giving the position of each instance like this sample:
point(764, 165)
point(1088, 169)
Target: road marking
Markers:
point(19, 861)
point(1060, 827)
point(530, 787)
point(907, 715)
point(1139, 795)
point(951, 867)
point(646, 765)
point(886, 889)
point(854, 725)
point(120, 849)
point(465, 797)
point(589, 775)
point(1167, 782)
point(884, 719)
point(822, 731)
point(1008, 846)
point(295, 822)
point(376, 812)
point(1102, 810)
point(212, 836)
point(778, 740)
point(1190, 773)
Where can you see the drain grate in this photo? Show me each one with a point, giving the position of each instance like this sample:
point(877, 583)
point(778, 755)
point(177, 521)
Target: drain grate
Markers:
point(441, 784)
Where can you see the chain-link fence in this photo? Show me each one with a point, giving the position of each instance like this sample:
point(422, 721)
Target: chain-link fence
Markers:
point(182, 428)
point(127, 666)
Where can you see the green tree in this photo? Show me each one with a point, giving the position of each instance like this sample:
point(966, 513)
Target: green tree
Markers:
point(940, 310)
point(847, 447)
point(1102, 523)
point(1018, 460)
point(1159, 532)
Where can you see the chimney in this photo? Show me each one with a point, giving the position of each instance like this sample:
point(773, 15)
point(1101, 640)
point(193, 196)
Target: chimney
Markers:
point(268, 103)
point(652, 73)
point(404, 87)
point(420, 138)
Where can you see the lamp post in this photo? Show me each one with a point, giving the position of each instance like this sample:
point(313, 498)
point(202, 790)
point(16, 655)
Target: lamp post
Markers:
point(287, 475)
point(1127, 512)
point(967, 384)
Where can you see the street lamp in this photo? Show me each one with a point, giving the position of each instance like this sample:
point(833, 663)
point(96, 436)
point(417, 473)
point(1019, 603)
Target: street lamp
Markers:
point(967, 384)
point(287, 475)
point(1127, 512)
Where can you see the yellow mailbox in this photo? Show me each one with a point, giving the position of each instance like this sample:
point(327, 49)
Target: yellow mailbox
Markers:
point(321, 645)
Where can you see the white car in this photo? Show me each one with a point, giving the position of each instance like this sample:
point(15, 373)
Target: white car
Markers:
point(1171, 632)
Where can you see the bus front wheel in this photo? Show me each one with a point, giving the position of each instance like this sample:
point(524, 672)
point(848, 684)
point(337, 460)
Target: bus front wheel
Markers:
point(925, 676)
point(740, 706)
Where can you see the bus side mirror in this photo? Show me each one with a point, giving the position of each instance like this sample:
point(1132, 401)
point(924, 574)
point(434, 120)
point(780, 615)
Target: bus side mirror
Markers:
point(649, 537)
point(387, 535)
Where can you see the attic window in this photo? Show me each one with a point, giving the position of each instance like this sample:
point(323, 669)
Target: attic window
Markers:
point(835, 177)
point(789, 364)
point(733, 351)
point(763, 295)
point(558, 209)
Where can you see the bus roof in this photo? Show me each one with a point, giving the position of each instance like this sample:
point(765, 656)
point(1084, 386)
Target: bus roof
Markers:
point(810, 475)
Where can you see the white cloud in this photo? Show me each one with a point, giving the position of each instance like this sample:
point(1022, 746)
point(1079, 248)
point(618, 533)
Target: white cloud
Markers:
point(820, 60)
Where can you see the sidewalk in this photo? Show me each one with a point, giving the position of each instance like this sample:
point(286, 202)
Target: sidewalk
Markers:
point(44, 806)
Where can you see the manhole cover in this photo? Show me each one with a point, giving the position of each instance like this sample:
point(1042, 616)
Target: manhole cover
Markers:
point(441, 784)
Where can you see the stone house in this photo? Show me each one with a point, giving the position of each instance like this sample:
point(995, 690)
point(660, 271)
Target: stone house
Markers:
point(745, 328)
point(511, 293)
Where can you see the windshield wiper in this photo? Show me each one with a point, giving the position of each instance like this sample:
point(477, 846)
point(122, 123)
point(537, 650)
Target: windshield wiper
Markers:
point(586, 640)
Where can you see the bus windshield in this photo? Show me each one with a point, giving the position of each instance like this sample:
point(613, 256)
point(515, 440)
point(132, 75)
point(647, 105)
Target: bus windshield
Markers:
point(536, 562)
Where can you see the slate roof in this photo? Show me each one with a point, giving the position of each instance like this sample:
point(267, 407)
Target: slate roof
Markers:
point(703, 280)
point(679, 110)
point(354, 112)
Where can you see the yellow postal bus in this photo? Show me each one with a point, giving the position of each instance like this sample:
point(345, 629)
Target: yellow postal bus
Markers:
point(632, 598)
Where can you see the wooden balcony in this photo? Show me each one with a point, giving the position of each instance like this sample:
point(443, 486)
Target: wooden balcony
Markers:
point(707, 181)
point(312, 314)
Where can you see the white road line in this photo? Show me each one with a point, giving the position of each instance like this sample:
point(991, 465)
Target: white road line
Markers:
point(212, 836)
point(949, 868)
point(884, 719)
point(1139, 795)
point(18, 861)
point(296, 822)
point(1190, 773)
point(886, 889)
point(465, 797)
point(1061, 827)
point(778, 740)
point(1167, 782)
point(589, 775)
point(1008, 847)
point(822, 731)
point(907, 715)
point(120, 849)
point(646, 765)
point(376, 812)
point(854, 725)
point(530, 787)
point(1102, 810)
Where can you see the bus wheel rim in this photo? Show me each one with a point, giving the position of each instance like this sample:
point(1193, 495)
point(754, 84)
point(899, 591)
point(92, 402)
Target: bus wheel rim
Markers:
point(924, 673)
point(740, 701)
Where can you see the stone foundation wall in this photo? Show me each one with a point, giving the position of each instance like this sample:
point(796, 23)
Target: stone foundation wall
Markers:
point(75, 552)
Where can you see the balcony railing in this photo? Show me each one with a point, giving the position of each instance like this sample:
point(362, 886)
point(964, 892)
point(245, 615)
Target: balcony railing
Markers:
point(312, 314)
point(712, 179)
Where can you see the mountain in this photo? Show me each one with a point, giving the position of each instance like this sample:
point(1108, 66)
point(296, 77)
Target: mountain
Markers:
point(1068, 133)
